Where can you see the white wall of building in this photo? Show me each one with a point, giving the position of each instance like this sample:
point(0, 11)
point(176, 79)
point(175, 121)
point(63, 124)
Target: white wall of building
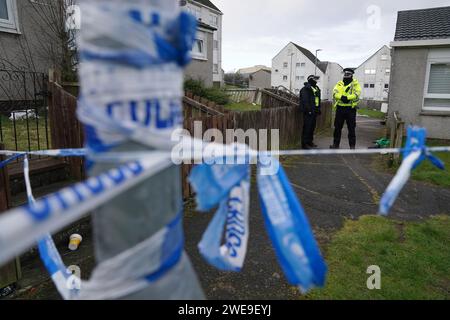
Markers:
point(290, 68)
point(374, 75)
point(333, 75)
point(214, 19)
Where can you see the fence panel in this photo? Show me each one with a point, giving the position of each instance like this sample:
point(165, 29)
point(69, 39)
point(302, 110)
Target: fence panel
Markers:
point(245, 95)
point(66, 130)
point(11, 272)
point(271, 98)
point(288, 120)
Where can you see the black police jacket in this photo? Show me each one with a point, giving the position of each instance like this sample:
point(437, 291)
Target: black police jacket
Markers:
point(308, 99)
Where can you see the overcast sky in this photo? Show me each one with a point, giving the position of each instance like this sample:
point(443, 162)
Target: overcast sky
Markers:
point(348, 31)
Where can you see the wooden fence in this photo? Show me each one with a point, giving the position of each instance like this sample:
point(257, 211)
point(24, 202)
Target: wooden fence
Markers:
point(11, 272)
point(396, 135)
point(288, 120)
point(272, 99)
point(65, 129)
point(245, 95)
point(278, 113)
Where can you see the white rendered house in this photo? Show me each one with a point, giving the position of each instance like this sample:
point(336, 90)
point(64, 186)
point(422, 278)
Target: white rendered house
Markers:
point(208, 14)
point(374, 75)
point(293, 64)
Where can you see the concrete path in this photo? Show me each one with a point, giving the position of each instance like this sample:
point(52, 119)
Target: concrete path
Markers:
point(331, 189)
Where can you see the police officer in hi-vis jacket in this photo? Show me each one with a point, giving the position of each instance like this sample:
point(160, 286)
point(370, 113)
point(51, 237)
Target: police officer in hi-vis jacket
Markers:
point(346, 95)
point(310, 105)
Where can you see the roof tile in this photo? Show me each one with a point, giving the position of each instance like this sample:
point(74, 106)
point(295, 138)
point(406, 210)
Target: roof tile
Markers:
point(424, 24)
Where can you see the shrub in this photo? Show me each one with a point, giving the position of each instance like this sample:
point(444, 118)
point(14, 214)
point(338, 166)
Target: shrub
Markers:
point(212, 94)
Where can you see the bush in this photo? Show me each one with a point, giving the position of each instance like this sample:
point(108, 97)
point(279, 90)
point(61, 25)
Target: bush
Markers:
point(212, 94)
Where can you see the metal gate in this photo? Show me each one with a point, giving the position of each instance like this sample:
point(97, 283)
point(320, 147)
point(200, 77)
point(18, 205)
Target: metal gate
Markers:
point(24, 124)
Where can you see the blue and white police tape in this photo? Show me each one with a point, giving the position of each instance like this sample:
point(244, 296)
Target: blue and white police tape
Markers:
point(129, 272)
point(196, 153)
point(229, 187)
point(290, 231)
point(61, 205)
point(62, 278)
point(414, 153)
point(11, 159)
point(21, 227)
point(148, 37)
point(132, 90)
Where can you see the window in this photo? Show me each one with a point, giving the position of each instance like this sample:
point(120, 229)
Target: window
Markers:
point(372, 85)
point(285, 78)
point(366, 85)
point(297, 78)
point(388, 70)
point(3, 10)
point(384, 57)
point(439, 81)
point(297, 65)
point(386, 85)
point(303, 64)
point(302, 78)
point(8, 16)
point(437, 94)
point(199, 48)
point(370, 71)
point(215, 68)
point(214, 20)
point(285, 65)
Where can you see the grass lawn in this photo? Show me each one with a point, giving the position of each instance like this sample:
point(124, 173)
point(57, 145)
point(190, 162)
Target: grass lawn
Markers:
point(372, 113)
point(426, 171)
point(242, 107)
point(414, 259)
point(9, 140)
point(429, 173)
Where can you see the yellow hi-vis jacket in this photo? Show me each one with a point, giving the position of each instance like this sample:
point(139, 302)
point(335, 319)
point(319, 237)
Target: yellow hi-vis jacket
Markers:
point(317, 96)
point(352, 91)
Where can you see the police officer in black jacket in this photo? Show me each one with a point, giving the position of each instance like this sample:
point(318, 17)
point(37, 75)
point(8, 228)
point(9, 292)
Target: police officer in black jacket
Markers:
point(310, 106)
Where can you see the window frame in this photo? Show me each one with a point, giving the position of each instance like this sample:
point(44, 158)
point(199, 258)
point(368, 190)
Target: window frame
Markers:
point(426, 95)
point(10, 25)
point(285, 65)
point(214, 20)
point(203, 55)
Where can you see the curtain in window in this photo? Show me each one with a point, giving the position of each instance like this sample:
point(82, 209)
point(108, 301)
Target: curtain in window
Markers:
point(439, 79)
